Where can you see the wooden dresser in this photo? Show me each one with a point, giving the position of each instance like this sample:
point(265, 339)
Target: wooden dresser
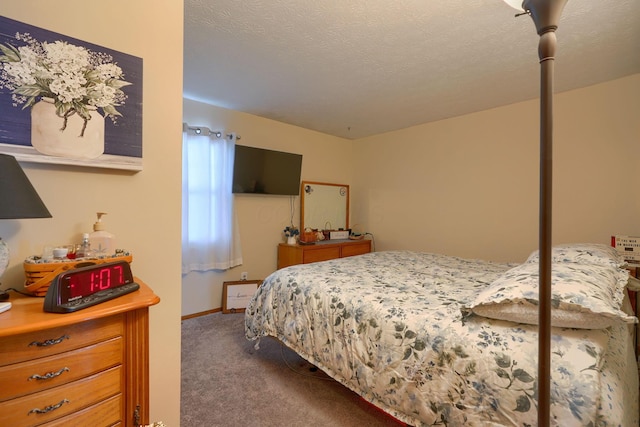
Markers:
point(87, 368)
point(320, 251)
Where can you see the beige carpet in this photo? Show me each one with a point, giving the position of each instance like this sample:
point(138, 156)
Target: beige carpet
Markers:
point(227, 382)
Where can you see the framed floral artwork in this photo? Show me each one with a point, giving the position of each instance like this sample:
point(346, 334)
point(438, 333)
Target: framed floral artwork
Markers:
point(67, 101)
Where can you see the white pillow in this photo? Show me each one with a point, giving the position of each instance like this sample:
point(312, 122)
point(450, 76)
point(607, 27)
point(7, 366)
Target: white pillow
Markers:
point(633, 284)
point(582, 296)
point(583, 253)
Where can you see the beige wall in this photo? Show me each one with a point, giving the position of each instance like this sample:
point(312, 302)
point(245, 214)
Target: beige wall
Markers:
point(262, 218)
point(144, 208)
point(468, 186)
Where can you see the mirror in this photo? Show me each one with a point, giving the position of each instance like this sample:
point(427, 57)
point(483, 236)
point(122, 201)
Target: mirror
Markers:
point(324, 206)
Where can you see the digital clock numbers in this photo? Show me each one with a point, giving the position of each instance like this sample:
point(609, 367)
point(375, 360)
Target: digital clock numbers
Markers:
point(86, 286)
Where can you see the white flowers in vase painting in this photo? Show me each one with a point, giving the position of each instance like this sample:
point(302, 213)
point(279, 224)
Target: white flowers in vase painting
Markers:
point(76, 79)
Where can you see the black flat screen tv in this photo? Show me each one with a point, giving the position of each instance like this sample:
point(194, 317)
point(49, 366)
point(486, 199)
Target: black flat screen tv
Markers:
point(262, 171)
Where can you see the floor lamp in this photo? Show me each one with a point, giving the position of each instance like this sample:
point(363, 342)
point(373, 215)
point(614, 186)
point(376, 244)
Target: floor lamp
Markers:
point(545, 14)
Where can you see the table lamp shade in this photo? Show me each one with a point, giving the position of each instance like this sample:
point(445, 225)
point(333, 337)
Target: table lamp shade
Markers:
point(18, 198)
point(516, 4)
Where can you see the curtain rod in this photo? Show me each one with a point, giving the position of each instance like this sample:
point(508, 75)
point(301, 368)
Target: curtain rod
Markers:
point(203, 130)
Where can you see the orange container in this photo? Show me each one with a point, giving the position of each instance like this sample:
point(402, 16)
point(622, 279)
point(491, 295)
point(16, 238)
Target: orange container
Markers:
point(308, 236)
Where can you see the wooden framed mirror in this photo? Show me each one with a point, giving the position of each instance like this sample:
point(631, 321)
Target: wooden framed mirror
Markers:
point(324, 206)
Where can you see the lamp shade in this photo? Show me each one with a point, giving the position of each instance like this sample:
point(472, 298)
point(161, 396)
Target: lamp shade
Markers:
point(516, 4)
point(18, 198)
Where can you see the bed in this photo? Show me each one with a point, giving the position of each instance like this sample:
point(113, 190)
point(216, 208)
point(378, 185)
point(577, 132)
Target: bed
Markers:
point(440, 340)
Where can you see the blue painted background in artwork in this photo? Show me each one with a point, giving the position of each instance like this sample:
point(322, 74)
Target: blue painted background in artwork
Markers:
point(124, 138)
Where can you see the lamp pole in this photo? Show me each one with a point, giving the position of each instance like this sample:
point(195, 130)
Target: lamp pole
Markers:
point(545, 15)
point(546, 51)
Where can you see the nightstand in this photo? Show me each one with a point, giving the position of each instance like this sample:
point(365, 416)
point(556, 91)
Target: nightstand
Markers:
point(89, 367)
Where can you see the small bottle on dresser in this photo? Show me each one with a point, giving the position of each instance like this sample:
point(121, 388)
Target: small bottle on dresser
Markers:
point(85, 247)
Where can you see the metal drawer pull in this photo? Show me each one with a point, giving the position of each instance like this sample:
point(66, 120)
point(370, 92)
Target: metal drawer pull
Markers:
point(48, 408)
point(48, 375)
point(49, 342)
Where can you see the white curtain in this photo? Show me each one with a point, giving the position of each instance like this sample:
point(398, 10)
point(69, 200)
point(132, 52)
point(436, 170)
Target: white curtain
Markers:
point(210, 236)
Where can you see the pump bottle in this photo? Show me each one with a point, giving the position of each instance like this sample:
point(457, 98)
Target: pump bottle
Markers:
point(102, 242)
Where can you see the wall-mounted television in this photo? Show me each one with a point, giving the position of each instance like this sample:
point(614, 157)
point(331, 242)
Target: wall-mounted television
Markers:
point(262, 171)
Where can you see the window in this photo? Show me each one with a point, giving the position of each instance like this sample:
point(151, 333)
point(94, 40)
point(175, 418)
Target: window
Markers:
point(210, 237)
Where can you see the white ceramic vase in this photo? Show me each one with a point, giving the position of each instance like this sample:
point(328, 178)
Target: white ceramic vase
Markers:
point(291, 240)
point(50, 136)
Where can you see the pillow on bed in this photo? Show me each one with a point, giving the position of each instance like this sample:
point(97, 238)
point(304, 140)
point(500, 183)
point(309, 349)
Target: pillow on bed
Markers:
point(633, 284)
point(583, 253)
point(582, 296)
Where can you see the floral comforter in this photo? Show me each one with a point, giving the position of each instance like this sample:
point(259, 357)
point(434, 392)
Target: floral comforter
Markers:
point(388, 325)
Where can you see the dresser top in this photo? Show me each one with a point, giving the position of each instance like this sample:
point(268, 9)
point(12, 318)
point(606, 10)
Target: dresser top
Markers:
point(325, 243)
point(27, 314)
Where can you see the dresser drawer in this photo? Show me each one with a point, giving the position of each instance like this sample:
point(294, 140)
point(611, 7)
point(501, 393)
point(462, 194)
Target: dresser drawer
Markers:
point(356, 248)
point(18, 348)
point(320, 254)
point(61, 401)
point(107, 413)
point(47, 372)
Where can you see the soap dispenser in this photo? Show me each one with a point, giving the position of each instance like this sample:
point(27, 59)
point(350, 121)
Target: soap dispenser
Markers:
point(102, 242)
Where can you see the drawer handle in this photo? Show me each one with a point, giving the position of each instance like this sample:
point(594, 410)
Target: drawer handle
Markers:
point(49, 342)
point(48, 408)
point(48, 375)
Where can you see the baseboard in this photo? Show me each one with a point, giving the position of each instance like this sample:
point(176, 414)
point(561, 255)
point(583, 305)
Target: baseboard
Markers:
point(202, 313)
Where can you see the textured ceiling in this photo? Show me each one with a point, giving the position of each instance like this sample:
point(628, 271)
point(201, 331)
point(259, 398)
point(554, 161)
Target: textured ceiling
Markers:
point(354, 68)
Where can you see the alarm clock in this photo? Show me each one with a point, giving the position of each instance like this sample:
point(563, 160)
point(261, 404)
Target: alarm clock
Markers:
point(84, 287)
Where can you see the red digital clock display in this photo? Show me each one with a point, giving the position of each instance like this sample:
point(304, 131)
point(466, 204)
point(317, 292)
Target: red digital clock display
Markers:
point(95, 280)
point(87, 281)
point(86, 286)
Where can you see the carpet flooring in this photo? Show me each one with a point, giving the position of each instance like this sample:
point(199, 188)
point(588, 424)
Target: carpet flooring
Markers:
point(227, 382)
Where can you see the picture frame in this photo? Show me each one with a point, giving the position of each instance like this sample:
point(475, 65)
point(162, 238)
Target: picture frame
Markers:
point(237, 294)
point(96, 121)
